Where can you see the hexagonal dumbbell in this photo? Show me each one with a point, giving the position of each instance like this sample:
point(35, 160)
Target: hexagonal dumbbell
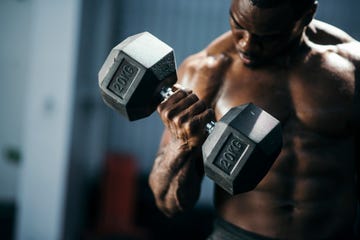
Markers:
point(134, 74)
point(240, 149)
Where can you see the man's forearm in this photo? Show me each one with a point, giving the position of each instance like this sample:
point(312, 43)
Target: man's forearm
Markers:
point(175, 179)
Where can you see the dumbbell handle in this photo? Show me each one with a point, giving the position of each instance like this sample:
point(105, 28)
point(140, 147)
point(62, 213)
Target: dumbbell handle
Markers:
point(166, 92)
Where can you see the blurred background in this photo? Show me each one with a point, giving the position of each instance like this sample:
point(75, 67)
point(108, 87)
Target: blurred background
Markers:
point(71, 168)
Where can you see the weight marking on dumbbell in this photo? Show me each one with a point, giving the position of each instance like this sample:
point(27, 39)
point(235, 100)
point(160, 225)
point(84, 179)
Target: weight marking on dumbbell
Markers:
point(230, 153)
point(122, 79)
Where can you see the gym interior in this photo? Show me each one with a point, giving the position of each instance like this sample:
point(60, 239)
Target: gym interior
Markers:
point(70, 167)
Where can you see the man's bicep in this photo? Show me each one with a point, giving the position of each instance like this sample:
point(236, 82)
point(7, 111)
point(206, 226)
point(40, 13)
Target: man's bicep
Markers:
point(188, 69)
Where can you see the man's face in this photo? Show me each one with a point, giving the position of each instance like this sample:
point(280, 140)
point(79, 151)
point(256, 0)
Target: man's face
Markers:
point(261, 35)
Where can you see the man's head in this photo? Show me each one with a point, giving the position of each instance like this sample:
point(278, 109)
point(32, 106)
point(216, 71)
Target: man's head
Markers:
point(298, 6)
point(264, 29)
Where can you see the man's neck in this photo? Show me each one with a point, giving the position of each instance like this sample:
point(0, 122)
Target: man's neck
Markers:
point(295, 49)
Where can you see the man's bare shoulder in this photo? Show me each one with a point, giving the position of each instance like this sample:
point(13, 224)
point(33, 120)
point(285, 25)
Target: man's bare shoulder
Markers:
point(323, 33)
point(203, 72)
point(350, 51)
point(217, 53)
point(327, 40)
point(224, 44)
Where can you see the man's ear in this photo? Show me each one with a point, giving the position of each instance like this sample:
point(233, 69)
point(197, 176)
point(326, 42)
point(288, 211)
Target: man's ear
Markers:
point(309, 14)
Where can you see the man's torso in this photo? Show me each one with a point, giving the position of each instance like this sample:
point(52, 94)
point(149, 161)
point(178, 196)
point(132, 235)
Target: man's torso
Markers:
point(310, 191)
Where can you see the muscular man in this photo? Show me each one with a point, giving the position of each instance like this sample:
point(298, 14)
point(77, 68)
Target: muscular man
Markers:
point(306, 74)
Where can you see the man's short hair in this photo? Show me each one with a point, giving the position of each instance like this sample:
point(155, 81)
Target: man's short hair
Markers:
point(299, 6)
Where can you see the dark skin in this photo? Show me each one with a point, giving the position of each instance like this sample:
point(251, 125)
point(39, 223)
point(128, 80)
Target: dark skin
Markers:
point(302, 72)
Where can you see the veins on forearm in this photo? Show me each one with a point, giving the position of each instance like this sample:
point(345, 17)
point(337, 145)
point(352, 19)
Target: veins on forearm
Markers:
point(175, 179)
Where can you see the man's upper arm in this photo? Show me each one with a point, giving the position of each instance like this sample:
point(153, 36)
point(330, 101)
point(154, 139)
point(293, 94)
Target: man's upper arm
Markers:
point(356, 120)
point(357, 131)
point(187, 70)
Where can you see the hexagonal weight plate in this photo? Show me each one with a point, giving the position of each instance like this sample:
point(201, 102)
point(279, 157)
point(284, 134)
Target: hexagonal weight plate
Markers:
point(242, 148)
point(133, 74)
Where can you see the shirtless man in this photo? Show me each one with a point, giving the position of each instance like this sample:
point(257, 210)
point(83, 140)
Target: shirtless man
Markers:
point(303, 72)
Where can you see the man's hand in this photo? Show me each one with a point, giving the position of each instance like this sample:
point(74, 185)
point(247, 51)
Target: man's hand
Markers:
point(185, 117)
point(177, 172)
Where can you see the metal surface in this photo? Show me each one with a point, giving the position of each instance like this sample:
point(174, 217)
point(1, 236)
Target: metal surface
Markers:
point(241, 148)
point(133, 74)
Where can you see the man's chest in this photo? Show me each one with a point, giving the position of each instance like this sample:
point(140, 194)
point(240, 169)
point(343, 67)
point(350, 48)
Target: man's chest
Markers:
point(322, 103)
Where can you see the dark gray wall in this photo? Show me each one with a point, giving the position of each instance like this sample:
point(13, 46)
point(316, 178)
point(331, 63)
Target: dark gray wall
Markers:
point(343, 14)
